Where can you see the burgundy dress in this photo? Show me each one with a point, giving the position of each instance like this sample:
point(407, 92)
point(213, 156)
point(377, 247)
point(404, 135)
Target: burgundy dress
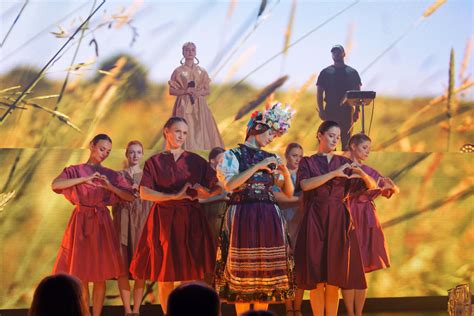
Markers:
point(374, 249)
point(327, 250)
point(176, 242)
point(90, 247)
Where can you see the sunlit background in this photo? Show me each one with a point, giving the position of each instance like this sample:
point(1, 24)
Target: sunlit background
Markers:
point(112, 77)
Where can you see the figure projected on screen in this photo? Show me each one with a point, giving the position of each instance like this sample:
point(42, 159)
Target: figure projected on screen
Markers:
point(190, 84)
point(332, 84)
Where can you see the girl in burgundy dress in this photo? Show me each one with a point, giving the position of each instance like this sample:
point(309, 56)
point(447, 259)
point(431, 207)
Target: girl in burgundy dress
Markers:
point(253, 260)
point(90, 247)
point(129, 219)
point(373, 246)
point(326, 252)
point(176, 243)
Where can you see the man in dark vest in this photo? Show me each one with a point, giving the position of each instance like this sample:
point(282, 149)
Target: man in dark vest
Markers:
point(332, 84)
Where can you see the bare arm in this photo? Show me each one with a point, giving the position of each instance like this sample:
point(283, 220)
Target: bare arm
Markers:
point(370, 182)
point(316, 182)
point(124, 195)
point(288, 188)
point(155, 196)
point(286, 202)
point(61, 184)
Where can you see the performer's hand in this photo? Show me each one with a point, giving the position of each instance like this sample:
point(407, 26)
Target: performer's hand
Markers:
point(92, 179)
point(339, 172)
point(202, 192)
point(183, 195)
point(284, 170)
point(190, 91)
point(265, 164)
point(104, 182)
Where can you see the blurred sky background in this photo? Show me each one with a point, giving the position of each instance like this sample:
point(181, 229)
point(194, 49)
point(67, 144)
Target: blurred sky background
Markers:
point(416, 66)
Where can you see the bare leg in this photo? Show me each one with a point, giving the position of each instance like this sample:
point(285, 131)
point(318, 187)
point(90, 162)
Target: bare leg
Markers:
point(164, 291)
point(98, 295)
point(138, 289)
point(124, 289)
point(260, 306)
point(85, 289)
point(331, 300)
point(241, 308)
point(316, 298)
point(360, 296)
point(298, 301)
point(349, 300)
point(289, 308)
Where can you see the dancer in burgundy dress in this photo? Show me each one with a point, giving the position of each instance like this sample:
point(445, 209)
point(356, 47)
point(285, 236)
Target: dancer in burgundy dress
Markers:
point(129, 219)
point(373, 246)
point(176, 243)
point(327, 253)
point(90, 247)
point(254, 264)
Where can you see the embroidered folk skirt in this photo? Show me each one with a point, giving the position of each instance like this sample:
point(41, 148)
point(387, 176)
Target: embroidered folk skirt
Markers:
point(253, 258)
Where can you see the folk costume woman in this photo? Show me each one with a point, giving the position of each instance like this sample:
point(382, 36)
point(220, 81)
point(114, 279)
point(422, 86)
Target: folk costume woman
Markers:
point(176, 243)
point(190, 84)
point(253, 261)
point(90, 235)
point(327, 253)
point(373, 247)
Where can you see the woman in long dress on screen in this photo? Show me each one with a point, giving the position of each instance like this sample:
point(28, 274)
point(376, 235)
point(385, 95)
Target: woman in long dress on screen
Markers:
point(90, 247)
point(190, 84)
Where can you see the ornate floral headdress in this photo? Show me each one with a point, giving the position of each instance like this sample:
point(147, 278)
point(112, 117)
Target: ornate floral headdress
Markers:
point(275, 117)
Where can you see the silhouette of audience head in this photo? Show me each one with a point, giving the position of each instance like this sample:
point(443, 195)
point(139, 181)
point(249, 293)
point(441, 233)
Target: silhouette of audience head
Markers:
point(59, 295)
point(195, 299)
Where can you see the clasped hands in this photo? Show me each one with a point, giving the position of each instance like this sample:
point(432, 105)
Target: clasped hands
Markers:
point(192, 192)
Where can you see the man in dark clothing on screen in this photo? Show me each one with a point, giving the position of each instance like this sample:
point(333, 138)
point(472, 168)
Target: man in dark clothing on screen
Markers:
point(332, 84)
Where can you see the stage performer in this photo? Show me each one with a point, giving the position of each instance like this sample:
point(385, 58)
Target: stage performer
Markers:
point(373, 246)
point(90, 246)
point(190, 84)
point(254, 264)
point(327, 253)
point(332, 84)
point(129, 219)
point(215, 207)
point(293, 215)
point(176, 243)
